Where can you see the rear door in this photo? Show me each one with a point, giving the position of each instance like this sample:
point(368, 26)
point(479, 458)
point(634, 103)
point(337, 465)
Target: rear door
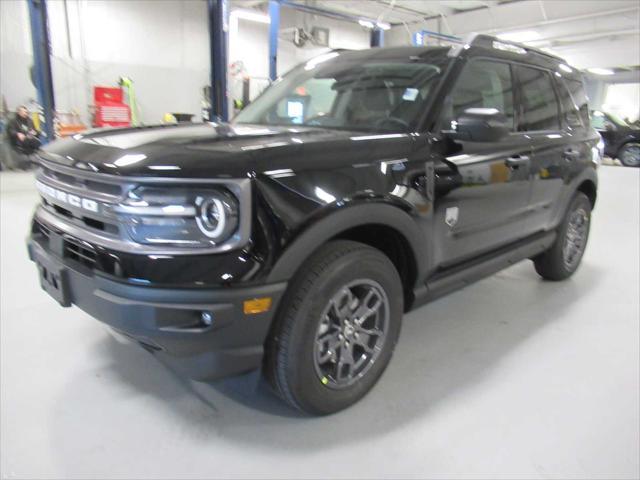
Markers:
point(555, 145)
point(486, 206)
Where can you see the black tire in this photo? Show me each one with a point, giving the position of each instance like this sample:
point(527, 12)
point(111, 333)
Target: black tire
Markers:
point(629, 155)
point(292, 352)
point(557, 263)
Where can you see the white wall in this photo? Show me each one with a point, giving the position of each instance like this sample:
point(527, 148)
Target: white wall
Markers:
point(623, 99)
point(162, 45)
point(251, 43)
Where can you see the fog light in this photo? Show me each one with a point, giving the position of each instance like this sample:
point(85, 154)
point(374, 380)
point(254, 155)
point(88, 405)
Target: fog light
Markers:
point(257, 305)
point(206, 318)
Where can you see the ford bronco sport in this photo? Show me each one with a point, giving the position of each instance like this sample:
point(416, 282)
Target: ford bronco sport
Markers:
point(357, 187)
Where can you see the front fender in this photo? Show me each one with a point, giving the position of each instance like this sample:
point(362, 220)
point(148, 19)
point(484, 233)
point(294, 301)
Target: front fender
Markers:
point(345, 218)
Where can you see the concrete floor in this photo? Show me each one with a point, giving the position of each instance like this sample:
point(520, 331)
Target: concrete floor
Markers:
point(511, 377)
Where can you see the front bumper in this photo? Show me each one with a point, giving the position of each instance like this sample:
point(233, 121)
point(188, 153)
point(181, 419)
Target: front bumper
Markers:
point(167, 322)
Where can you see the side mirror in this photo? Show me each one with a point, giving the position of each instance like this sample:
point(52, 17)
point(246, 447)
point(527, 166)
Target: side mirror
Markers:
point(480, 125)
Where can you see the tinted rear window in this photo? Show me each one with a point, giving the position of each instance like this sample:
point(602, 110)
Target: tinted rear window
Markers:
point(570, 111)
point(579, 96)
point(540, 105)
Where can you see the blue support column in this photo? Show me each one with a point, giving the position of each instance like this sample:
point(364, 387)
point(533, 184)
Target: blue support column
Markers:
point(274, 26)
point(218, 34)
point(377, 37)
point(42, 63)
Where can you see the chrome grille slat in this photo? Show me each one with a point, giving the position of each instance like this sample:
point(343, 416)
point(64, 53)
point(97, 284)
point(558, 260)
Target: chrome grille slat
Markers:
point(81, 188)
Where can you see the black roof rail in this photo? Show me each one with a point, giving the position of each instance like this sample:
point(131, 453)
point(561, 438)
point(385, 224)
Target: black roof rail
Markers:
point(489, 41)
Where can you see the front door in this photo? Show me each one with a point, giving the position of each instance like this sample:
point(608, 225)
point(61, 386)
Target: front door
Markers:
point(482, 188)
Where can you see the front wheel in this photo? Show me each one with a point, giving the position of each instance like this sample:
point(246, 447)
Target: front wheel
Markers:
point(564, 256)
point(336, 329)
point(629, 155)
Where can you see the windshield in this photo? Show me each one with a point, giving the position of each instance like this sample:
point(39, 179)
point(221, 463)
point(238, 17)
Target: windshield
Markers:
point(334, 92)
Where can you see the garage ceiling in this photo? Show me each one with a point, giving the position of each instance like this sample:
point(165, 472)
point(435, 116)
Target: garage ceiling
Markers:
point(400, 10)
point(589, 33)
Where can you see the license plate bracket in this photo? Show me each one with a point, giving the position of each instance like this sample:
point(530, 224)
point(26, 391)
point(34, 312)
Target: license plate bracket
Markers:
point(53, 280)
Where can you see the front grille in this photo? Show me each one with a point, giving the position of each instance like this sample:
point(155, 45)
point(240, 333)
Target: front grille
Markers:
point(80, 252)
point(84, 184)
point(41, 229)
point(91, 223)
point(101, 193)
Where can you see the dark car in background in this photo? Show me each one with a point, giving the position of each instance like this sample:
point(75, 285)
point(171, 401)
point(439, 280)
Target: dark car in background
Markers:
point(621, 140)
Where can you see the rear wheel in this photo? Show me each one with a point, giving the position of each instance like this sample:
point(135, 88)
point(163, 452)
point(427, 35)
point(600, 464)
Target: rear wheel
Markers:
point(629, 155)
point(564, 256)
point(336, 329)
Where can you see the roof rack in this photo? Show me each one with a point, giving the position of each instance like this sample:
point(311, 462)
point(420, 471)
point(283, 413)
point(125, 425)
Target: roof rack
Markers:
point(489, 41)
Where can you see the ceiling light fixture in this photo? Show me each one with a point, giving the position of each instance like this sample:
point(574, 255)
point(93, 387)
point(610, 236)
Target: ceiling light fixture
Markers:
point(521, 36)
point(601, 71)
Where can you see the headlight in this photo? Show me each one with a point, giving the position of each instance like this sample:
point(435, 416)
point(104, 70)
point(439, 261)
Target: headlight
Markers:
point(217, 216)
point(179, 217)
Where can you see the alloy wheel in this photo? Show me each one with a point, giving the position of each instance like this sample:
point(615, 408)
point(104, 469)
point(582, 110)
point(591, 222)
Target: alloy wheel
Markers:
point(576, 238)
point(351, 333)
point(630, 156)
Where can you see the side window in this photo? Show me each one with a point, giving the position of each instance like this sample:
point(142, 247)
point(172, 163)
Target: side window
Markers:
point(482, 84)
point(570, 111)
point(576, 88)
point(539, 100)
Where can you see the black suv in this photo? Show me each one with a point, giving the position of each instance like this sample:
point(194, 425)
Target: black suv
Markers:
point(357, 187)
point(621, 140)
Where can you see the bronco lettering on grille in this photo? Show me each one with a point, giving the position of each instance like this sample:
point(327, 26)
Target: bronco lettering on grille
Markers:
point(68, 198)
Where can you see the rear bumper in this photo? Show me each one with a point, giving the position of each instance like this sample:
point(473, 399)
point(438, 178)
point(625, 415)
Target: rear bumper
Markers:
point(168, 322)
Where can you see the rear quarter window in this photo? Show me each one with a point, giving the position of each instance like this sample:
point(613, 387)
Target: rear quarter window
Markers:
point(570, 110)
point(579, 97)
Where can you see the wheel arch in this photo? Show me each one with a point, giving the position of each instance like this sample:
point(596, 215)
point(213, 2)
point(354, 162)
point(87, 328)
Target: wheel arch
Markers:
point(382, 226)
point(588, 187)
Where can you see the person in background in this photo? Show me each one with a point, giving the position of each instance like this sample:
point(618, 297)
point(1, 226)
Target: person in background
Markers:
point(22, 134)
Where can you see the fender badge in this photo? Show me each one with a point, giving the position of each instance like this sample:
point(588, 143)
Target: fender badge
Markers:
point(451, 216)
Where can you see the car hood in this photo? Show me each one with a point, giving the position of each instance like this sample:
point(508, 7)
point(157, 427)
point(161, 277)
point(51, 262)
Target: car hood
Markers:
point(220, 150)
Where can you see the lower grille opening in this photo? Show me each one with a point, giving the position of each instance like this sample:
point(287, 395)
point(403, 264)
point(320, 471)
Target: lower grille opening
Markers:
point(63, 211)
point(79, 253)
point(41, 229)
point(90, 222)
point(100, 225)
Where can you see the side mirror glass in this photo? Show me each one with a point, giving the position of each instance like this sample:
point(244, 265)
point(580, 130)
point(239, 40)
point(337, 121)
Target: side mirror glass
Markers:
point(480, 125)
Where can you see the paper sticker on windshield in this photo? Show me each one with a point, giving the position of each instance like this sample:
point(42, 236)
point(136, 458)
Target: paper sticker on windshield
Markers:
point(410, 94)
point(295, 111)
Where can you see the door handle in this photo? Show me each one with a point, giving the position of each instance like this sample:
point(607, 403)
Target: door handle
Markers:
point(516, 161)
point(571, 155)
